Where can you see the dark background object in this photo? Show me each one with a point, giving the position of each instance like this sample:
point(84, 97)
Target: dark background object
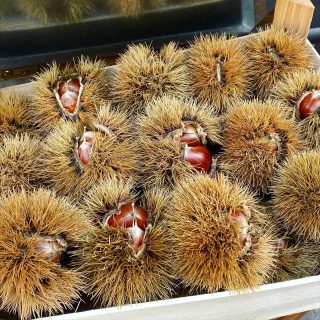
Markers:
point(27, 42)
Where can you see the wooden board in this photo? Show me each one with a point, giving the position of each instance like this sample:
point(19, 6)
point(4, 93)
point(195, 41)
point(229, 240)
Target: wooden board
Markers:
point(267, 302)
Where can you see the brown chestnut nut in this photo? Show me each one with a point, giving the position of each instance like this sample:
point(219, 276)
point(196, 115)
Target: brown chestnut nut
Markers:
point(84, 149)
point(238, 217)
point(134, 219)
point(68, 92)
point(309, 104)
point(190, 136)
point(50, 248)
point(199, 157)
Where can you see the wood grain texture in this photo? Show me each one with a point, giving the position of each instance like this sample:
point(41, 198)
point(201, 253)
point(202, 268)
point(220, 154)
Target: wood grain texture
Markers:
point(295, 316)
point(295, 15)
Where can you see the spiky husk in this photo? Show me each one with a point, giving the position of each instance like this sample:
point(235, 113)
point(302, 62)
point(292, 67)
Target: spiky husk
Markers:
point(207, 250)
point(205, 56)
point(30, 285)
point(274, 54)
point(297, 258)
point(111, 154)
point(116, 275)
point(248, 155)
point(15, 115)
point(289, 91)
point(142, 74)
point(66, 11)
point(17, 163)
point(297, 194)
point(44, 107)
point(297, 261)
point(161, 157)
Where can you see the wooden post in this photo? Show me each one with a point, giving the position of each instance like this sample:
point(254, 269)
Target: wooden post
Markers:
point(295, 15)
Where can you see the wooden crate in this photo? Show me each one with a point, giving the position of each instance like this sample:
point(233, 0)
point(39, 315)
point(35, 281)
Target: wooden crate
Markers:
point(267, 302)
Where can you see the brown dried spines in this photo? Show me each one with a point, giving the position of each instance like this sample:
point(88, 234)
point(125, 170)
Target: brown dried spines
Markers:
point(15, 114)
point(166, 114)
point(142, 74)
point(274, 54)
point(295, 258)
point(47, 113)
point(18, 156)
point(296, 261)
point(209, 252)
point(30, 283)
point(111, 154)
point(111, 121)
point(161, 151)
point(257, 137)
point(106, 197)
point(116, 273)
point(297, 194)
point(219, 71)
point(289, 91)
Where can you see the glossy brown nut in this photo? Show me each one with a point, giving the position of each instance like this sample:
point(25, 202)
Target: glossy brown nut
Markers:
point(50, 248)
point(128, 215)
point(69, 101)
point(140, 215)
point(199, 157)
point(74, 85)
point(309, 104)
point(121, 220)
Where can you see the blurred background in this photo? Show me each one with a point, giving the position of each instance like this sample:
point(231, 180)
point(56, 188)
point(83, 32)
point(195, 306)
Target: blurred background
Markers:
point(35, 32)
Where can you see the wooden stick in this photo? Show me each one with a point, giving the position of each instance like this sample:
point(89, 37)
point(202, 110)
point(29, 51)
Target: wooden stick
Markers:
point(295, 316)
point(295, 15)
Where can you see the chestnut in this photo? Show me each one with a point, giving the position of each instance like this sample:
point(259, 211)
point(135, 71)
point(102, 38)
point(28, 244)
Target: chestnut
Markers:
point(134, 219)
point(309, 104)
point(72, 85)
point(238, 216)
point(199, 157)
point(190, 135)
point(50, 248)
point(69, 101)
point(137, 236)
point(84, 148)
point(67, 94)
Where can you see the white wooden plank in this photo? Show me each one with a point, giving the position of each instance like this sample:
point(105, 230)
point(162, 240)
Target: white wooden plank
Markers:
point(269, 301)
